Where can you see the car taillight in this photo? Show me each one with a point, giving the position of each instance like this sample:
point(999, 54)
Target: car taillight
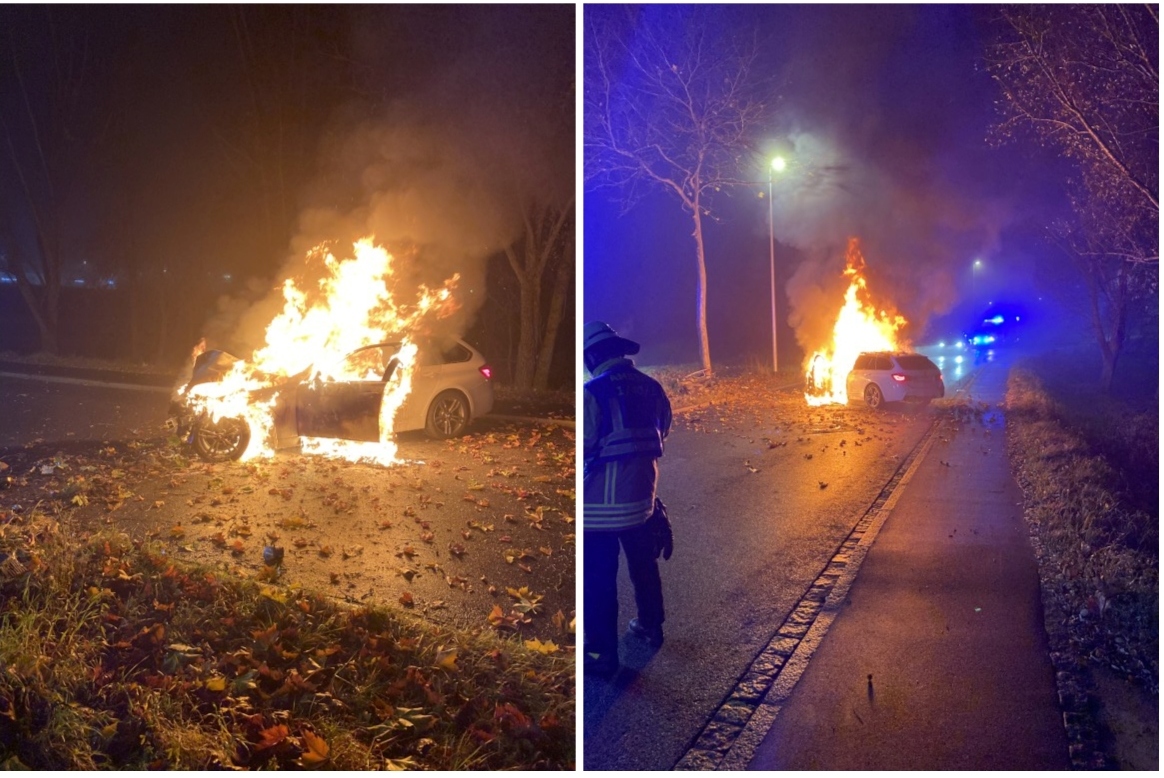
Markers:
point(899, 377)
point(487, 372)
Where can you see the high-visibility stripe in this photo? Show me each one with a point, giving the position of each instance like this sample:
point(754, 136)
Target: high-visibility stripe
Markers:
point(620, 516)
point(641, 441)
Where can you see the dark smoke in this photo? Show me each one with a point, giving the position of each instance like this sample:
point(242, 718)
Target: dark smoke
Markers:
point(872, 163)
point(438, 174)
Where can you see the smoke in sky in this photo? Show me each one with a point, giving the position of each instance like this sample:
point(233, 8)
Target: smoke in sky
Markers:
point(882, 148)
point(439, 174)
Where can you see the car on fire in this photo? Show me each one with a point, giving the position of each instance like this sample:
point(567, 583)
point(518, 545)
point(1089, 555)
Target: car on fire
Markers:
point(451, 387)
point(881, 377)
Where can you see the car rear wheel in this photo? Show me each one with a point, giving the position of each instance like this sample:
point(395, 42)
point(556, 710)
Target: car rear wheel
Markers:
point(448, 416)
point(221, 441)
point(873, 397)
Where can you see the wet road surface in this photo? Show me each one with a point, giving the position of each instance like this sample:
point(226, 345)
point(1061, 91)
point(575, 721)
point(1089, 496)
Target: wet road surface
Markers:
point(447, 533)
point(760, 496)
point(937, 658)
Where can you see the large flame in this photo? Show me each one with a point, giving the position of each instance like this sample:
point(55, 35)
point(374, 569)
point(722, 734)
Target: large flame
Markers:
point(860, 326)
point(351, 306)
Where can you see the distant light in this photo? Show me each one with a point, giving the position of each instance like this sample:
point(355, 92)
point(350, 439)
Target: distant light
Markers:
point(996, 320)
point(1017, 318)
point(226, 276)
point(977, 263)
point(78, 282)
point(941, 344)
point(778, 164)
point(958, 359)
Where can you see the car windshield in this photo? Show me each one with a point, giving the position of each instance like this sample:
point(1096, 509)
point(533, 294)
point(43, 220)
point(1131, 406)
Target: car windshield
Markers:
point(366, 364)
point(915, 362)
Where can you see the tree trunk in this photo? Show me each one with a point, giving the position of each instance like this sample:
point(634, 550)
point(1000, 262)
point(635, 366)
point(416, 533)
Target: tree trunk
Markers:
point(1110, 330)
point(527, 343)
point(565, 272)
point(701, 289)
point(44, 313)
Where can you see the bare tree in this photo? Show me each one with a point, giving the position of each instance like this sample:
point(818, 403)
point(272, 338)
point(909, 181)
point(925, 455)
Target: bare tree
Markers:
point(1085, 80)
point(546, 244)
point(50, 128)
point(559, 296)
point(670, 103)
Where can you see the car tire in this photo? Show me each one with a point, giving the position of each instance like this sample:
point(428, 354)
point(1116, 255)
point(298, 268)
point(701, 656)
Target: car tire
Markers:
point(221, 441)
point(873, 396)
point(448, 415)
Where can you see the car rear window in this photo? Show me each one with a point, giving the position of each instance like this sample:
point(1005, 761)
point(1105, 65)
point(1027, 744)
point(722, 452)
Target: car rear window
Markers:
point(455, 352)
point(915, 362)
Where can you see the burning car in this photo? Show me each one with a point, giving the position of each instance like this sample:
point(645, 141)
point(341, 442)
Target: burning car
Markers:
point(880, 377)
point(884, 377)
point(451, 385)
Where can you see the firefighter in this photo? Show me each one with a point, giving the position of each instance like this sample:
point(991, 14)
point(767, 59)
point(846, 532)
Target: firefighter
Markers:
point(626, 416)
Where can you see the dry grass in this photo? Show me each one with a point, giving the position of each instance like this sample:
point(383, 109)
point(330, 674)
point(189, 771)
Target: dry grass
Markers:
point(1082, 467)
point(116, 656)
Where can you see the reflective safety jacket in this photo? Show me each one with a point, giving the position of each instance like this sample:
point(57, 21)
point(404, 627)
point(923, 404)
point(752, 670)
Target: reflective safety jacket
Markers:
point(626, 416)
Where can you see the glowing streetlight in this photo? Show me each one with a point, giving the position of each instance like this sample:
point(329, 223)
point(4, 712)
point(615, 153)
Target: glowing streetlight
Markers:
point(777, 166)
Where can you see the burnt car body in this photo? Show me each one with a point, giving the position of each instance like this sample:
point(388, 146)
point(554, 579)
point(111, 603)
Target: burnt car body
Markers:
point(880, 377)
point(451, 386)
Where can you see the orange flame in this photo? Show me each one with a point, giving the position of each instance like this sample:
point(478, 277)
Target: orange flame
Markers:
point(352, 306)
point(860, 327)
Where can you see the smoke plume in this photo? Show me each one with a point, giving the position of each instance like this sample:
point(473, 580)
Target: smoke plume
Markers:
point(439, 174)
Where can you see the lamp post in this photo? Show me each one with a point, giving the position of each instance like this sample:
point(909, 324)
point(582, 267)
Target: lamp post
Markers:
point(777, 166)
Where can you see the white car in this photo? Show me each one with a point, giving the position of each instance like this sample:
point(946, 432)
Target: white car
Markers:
point(451, 385)
point(881, 377)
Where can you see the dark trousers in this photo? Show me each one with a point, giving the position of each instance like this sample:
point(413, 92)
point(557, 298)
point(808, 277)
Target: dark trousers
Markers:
point(600, 585)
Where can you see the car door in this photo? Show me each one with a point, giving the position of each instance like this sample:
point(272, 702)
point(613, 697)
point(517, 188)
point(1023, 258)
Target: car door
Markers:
point(437, 363)
point(859, 376)
point(345, 402)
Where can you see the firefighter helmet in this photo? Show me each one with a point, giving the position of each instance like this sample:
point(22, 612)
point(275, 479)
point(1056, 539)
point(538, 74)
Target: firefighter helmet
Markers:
point(598, 332)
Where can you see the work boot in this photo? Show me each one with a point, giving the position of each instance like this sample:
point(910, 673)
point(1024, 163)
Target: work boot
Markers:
point(653, 636)
point(599, 665)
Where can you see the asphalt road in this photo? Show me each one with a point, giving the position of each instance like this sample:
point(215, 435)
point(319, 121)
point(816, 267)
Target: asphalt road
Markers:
point(446, 533)
point(760, 497)
point(937, 658)
point(75, 409)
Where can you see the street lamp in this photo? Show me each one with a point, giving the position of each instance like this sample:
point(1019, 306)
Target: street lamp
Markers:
point(777, 166)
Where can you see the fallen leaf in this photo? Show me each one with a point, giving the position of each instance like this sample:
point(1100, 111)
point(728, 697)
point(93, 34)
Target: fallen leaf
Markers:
point(271, 737)
point(446, 659)
point(315, 750)
point(548, 647)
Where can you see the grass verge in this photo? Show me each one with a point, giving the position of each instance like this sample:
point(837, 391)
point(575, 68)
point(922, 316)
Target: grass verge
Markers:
point(113, 655)
point(1098, 540)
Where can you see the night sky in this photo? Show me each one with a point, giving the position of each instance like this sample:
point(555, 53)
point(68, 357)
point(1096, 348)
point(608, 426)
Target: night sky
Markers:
point(213, 144)
point(896, 99)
